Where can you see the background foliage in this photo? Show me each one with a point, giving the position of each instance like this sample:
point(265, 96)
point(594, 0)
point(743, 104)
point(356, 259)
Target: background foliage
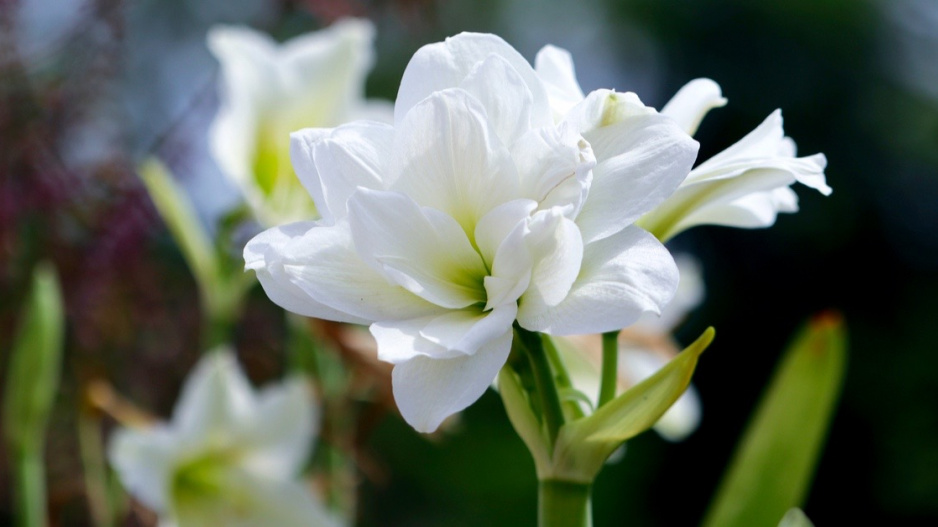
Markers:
point(88, 88)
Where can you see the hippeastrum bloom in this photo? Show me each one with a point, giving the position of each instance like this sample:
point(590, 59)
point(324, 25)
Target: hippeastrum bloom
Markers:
point(644, 348)
point(230, 456)
point(269, 90)
point(478, 208)
point(746, 185)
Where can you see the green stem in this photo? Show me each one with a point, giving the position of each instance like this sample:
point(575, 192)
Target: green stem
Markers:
point(563, 504)
point(30, 488)
point(564, 382)
point(607, 390)
point(216, 330)
point(94, 468)
point(544, 381)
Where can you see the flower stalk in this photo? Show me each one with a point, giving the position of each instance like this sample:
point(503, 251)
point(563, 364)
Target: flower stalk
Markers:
point(568, 460)
point(607, 388)
point(564, 504)
point(30, 488)
point(544, 381)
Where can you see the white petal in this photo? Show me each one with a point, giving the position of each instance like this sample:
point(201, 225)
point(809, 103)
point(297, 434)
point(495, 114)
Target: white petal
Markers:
point(447, 156)
point(215, 397)
point(709, 200)
point(248, 500)
point(689, 295)
point(557, 252)
point(692, 102)
point(333, 163)
point(323, 74)
point(764, 147)
point(603, 108)
point(400, 340)
point(302, 144)
point(554, 167)
point(496, 225)
point(143, 460)
point(421, 249)
point(326, 266)
point(284, 504)
point(504, 95)
point(641, 160)
point(277, 441)
point(446, 64)
point(466, 331)
point(555, 67)
point(247, 60)
point(511, 267)
point(450, 335)
point(752, 211)
point(263, 254)
point(622, 276)
point(427, 391)
point(740, 186)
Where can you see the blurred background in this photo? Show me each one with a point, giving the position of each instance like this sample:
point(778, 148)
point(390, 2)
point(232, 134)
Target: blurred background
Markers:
point(89, 88)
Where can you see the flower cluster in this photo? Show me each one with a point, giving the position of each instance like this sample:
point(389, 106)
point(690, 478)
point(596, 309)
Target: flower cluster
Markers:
point(229, 456)
point(269, 90)
point(489, 201)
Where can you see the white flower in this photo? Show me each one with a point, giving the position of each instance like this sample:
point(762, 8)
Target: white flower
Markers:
point(644, 348)
point(476, 209)
point(746, 185)
point(229, 456)
point(269, 90)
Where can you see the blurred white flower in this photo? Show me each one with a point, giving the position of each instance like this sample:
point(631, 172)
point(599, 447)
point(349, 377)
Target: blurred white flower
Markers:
point(644, 348)
point(746, 185)
point(230, 456)
point(479, 207)
point(268, 90)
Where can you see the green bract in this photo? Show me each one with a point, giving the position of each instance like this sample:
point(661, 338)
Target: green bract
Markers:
point(582, 445)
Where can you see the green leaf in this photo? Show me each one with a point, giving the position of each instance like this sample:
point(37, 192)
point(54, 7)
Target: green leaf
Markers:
point(181, 219)
point(35, 363)
point(795, 518)
point(583, 445)
point(31, 386)
point(772, 468)
point(222, 286)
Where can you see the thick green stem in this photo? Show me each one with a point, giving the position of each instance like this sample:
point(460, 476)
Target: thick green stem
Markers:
point(30, 488)
point(544, 381)
point(216, 331)
point(607, 390)
point(564, 504)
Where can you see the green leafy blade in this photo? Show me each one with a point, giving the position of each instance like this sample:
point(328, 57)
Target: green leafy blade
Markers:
point(35, 363)
point(31, 386)
point(584, 445)
point(774, 463)
point(181, 219)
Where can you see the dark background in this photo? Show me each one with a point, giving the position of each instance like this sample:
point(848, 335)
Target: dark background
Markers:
point(90, 87)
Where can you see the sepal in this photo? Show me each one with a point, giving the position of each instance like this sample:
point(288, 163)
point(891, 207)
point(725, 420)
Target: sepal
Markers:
point(583, 445)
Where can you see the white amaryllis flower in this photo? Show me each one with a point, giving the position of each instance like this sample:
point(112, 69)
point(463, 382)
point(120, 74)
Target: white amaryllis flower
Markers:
point(644, 348)
point(746, 185)
point(230, 456)
point(474, 210)
point(268, 90)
